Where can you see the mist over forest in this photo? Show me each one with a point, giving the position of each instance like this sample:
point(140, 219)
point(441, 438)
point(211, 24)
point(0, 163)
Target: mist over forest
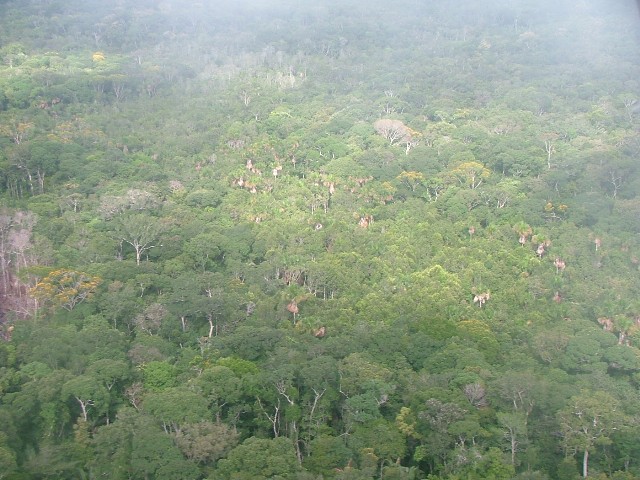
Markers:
point(351, 240)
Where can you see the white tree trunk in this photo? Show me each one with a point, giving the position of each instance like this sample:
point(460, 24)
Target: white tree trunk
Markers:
point(585, 463)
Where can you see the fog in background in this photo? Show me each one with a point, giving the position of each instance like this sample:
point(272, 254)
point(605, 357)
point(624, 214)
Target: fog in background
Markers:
point(239, 33)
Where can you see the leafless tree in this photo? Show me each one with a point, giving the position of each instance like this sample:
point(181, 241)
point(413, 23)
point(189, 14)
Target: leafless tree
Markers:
point(393, 130)
point(476, 394)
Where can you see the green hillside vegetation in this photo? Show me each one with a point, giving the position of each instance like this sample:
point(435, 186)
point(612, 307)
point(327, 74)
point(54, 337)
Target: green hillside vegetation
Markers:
point(319, 240)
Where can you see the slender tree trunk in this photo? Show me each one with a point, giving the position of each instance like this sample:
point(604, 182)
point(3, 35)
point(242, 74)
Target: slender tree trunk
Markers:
point(296, 441)
point(41, 175)
point(83, 406)
point(548, 146)
point(30, 177)
point(211, 326)
point(585, 463)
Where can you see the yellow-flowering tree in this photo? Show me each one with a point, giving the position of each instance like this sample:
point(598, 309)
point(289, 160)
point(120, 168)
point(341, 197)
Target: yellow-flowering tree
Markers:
point(470, 174)
point(411, 180)
point(98, 57)
point(65, 288)
point(15, 129)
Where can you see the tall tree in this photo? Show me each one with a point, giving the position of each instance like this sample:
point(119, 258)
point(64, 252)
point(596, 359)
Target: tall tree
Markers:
point(141, 231)
point(588, 421)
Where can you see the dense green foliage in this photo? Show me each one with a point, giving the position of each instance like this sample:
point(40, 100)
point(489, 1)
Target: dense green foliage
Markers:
point(319, 240)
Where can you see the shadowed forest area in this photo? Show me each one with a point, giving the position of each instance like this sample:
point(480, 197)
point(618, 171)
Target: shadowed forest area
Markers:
point(351, 240)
